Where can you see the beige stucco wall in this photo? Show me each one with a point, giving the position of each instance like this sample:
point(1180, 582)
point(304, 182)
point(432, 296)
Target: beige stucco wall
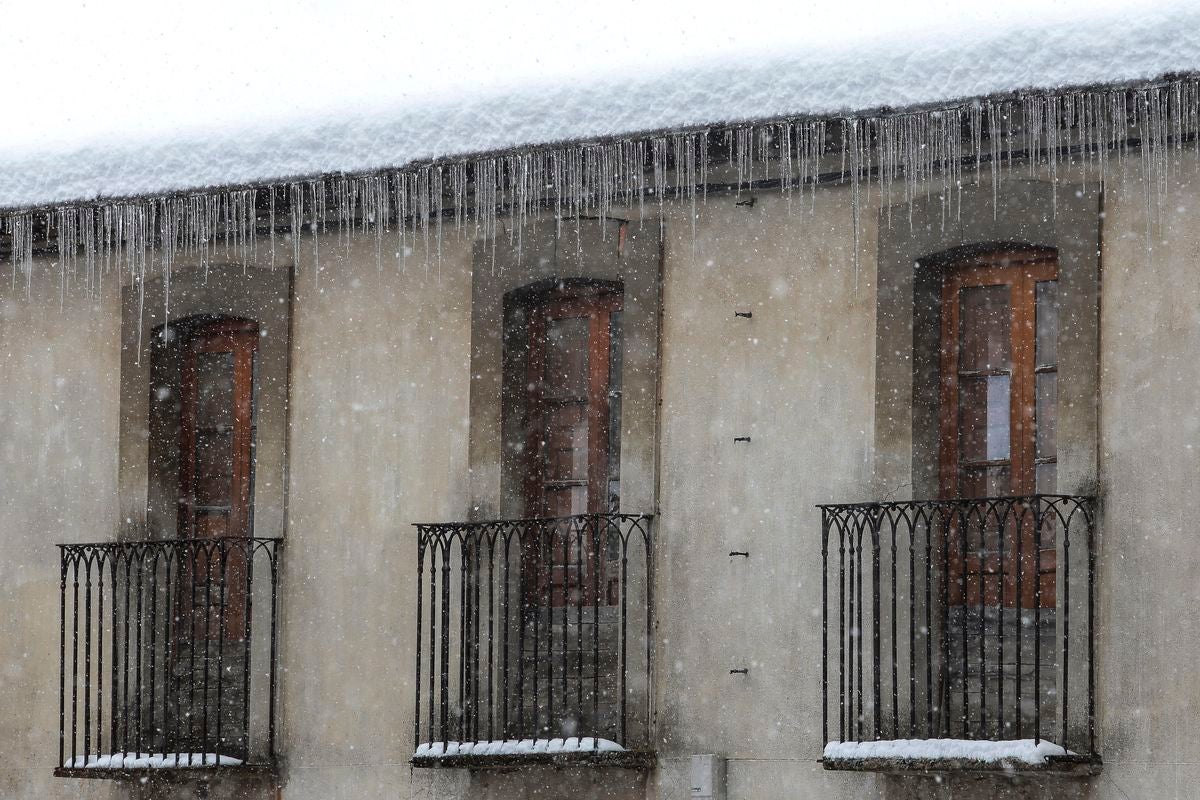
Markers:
point(797, 378)
point(59, 399)
point(380, 380)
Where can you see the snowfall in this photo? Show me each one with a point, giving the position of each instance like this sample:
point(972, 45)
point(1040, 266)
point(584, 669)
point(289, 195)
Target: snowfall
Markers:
point(115, 100)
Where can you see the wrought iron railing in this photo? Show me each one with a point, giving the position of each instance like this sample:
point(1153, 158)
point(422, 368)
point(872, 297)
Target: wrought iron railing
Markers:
point(534, 629)
point(168, 654)
point(964, 619)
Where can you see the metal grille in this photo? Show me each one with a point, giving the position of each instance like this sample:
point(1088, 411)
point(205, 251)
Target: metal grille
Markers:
point(534, 629)
point(969, 619)
point(168, 649)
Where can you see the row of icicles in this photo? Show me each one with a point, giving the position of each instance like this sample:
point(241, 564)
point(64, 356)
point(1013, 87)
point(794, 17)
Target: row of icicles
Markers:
point(900, 155)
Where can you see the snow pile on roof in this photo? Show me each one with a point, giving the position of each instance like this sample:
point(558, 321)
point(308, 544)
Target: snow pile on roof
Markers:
point(1023, 751)
point(151, 761)
point(517, 747)
point(117, 101)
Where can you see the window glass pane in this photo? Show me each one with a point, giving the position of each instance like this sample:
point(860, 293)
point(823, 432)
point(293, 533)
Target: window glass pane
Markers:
point(984, 482)
point(983, 407)
point(214, 466)
point(214, 389)
point(1047, 478)
point(984, 336)
point(209, 525)
point(566, 443)
point(1047, 323)
point(566, 358)
point(566, 501)
point(614, 411)
point(1047, 414)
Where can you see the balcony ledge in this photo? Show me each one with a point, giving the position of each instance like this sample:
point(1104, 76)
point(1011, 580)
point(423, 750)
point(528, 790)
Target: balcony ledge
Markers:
point(182, 774)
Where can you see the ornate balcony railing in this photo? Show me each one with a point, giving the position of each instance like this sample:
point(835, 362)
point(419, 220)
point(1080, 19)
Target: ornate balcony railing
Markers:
point(960, 619)
point(167, 655)
point(533, 637)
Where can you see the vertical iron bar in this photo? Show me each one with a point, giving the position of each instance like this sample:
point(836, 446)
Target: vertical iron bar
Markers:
point(444, 715)
point(599, 543)
point(895, 658)
point(208, 583)
point(624, 630)
point(434, 628)
point(62, 655)
point(113, 652)
point(271, 691)
point(477, 623)
point(540, 584)
point(1012, 510)
point(491, 620)
point(946, 516)
point(647, 540)
point(74, 659)
point(876, 653)
point(982, 584)
point(1037, 625)
point(824, 627)
point(87, 656)
point(568, 527)
point(154, 552)
point(1089, 519)
point(125, 657)
point(525, 575)
point(139, 688)
point(929, 700)
point(859, 628)
point(579, 602)
point(100, 561)
point(962, 580)
point(222, 632)
point(505, 537)
point(1020, 610)
point(463, 636)
point(420, 598)
point(251, 553)
point(168, 651)
point(1066, 617)
point(842, 676)
point(912, 624)
point(852, 635)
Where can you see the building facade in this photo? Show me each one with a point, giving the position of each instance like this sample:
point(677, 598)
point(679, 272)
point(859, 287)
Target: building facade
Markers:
point(621, 495)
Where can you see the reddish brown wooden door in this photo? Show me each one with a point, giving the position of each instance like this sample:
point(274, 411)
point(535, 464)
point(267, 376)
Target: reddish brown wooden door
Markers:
point(570, 391)
point(998, 420)
point(216, 463)
point(572, 452)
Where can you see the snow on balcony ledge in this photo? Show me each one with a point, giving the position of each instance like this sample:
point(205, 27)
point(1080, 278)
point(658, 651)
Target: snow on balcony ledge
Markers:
point(151, 761)
point(500, 753)
point(945, 755)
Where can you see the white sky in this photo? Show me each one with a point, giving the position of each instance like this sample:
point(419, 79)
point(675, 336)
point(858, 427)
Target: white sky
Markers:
point(136, 69)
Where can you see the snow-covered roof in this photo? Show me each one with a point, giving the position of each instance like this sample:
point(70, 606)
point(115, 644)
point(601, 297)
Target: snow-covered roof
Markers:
point(116, 100)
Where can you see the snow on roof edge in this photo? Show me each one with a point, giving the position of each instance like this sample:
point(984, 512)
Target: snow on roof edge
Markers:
point(1137, 46)
point(877, 112)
